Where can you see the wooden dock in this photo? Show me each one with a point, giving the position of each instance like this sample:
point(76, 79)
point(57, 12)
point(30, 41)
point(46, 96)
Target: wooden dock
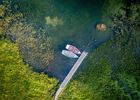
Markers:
point(71, 73)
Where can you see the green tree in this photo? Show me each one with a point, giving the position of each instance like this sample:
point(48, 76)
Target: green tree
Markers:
point(94, 83)
point(18, 81)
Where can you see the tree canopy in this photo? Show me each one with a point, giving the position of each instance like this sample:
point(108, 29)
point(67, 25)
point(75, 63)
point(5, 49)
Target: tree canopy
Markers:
point(18, 81)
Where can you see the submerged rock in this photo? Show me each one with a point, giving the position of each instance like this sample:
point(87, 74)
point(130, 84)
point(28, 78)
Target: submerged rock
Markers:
point(101, 27)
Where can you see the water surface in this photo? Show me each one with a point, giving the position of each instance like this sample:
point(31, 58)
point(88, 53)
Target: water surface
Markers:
point(74, 23)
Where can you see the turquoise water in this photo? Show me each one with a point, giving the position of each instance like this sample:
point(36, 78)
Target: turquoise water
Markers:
point(66, 21)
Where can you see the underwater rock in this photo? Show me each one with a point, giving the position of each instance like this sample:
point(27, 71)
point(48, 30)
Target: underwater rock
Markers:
point(101, 27)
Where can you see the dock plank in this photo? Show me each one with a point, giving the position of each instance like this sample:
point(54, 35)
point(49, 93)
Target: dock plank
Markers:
point(71, 73)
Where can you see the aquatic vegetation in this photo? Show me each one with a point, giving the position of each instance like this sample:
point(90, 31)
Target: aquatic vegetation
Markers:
point(13, 25)
point(53, 21)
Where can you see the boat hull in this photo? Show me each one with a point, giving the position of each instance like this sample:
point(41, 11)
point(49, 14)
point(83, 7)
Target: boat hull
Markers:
point(73, 49)
point(69, 54)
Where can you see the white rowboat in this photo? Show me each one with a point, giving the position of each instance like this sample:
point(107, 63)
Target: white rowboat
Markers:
point(69, 54)
point(73, 49)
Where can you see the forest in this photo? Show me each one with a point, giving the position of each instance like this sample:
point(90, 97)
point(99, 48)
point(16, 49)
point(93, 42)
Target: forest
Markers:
point(110, 72)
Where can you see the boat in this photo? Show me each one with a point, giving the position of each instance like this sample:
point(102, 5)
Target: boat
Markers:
point(73, 49)
point(69, 54)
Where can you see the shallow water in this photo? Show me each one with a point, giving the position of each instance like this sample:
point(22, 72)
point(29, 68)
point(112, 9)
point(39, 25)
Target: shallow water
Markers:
point(76, 21)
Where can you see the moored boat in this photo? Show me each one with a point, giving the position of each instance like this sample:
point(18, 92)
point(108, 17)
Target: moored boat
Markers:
point(69, 54)
point(73, 49)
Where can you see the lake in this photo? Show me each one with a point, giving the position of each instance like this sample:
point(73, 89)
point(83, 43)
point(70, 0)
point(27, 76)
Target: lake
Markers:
point(67, 22)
